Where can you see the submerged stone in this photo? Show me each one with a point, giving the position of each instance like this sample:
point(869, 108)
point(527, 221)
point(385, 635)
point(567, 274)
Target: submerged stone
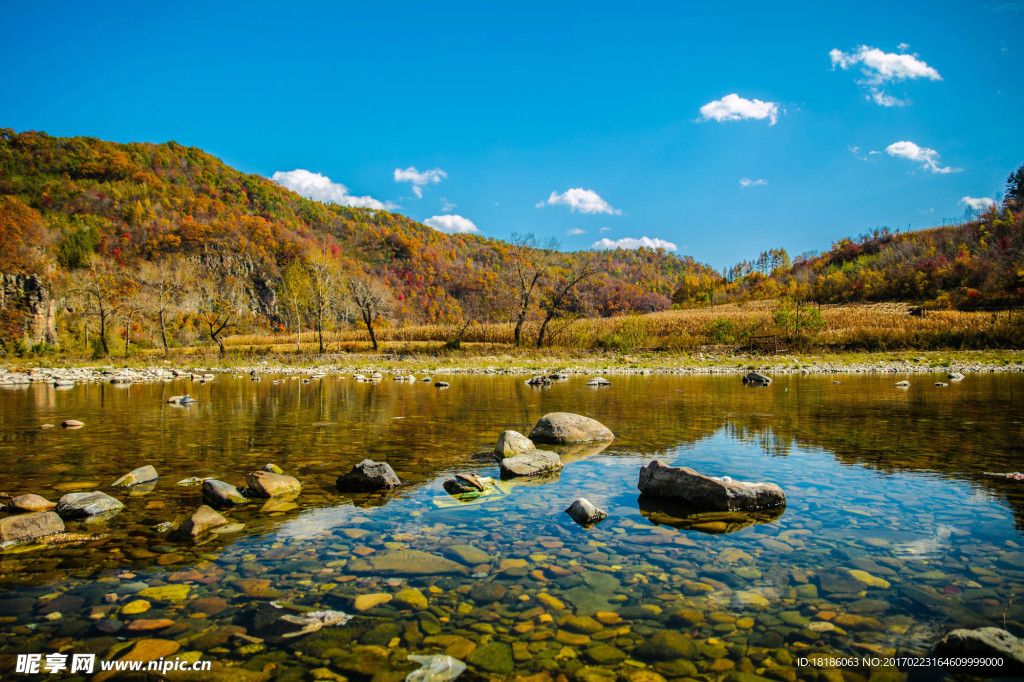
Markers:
point(405, 561)
point(529, 463)
point(989, 642)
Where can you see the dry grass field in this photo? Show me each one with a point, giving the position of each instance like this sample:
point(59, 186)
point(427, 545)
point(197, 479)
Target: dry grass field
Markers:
point(866, 327)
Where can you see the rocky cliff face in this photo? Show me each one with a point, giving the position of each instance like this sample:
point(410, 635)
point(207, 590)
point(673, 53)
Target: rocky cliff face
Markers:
point(255, 276)
point(25, 301)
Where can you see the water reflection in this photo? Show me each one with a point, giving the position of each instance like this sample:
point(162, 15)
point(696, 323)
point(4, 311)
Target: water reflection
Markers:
point(894, 532)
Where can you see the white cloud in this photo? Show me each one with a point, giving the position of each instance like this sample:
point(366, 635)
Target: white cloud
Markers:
point(451, 224)
point(631, 243)
point(928, 158)
point(903, 47)
point(735, 108)
point(747, 182)
point(977, 203)
point(320, 188)
point(419, 179)
point(573, 231)
point(447, 206)
point(881, 68)
point(580, 200)
point(605, 229)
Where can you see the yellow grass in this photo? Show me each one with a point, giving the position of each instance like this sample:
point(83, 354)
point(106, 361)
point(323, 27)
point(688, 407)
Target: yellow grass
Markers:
point(861, 327)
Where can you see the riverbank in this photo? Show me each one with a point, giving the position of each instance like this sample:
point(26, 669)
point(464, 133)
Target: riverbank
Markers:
point(526, 363)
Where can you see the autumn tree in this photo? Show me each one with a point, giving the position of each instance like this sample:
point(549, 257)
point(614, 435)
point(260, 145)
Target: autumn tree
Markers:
point(218, 302)
point(294, 290)
point(164, 283)
point(528, 261)
point(23, 235)
point(325, 279)
point(560, 296)
point(372, 299)
point(100, 289)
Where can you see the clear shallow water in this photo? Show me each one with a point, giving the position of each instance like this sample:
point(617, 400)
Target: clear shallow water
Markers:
point(881, 480)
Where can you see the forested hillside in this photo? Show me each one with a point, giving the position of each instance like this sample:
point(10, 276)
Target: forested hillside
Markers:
point(82, 207)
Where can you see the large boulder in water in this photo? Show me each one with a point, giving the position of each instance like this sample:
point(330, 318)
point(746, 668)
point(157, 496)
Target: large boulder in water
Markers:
point(562, 428)
point(30, 526)
point(83, 505)
point(511, 443)
point(757, 379)
point(200, 522)
point(991, 643)
point(530, 463)
point(368, 476)
point(706, 493)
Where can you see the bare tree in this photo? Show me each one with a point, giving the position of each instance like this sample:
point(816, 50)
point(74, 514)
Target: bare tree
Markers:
point(528, 261)
point(372, 299)
point(100, 288)
point(165, 284)
point(560, 298)
point(218, 301)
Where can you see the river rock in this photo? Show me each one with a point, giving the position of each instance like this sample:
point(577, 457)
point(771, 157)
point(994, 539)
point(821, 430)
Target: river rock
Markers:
point(599, 381)
point(585, 513)
point(756, 379)
point(984, 643)
point(273, 468)
point(201, 521)
point(512, 443)
point(441, 384)
point(267, 484)
point(530, 463)
point(562, 428)
point(30, 503)
point(955, 376)
point(539, 381)
point(181, 400)
point(81, 505)
point(221, 494)
point(30, 526)
point(140, 475)
point(72, 424)
point(367, 476)
point(706, 493)
point(902, 384)
point(404, 562)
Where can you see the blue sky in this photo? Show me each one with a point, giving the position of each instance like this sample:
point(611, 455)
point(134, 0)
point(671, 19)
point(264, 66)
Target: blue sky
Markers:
point(721, 131)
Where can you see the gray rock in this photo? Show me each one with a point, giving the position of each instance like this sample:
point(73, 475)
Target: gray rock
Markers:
point(585, 513)
point(181, 399)
point(984, 643)
point(955, 376)
point(512, 443)
point(561, 428)
point(941, 383)
point(72, 424)
point(203, 520)
point(539, 381)
point(902, 384)
point(221, 494)
point(273, 468)
point(140, 475)
point(705, 493)
point(442, 384)
point(30, 526)
point(599, 381)
point(756, 379)
point(82, 505)
point(368, 475)
point(530, 463)
point(558, 376)
point(467, 483)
